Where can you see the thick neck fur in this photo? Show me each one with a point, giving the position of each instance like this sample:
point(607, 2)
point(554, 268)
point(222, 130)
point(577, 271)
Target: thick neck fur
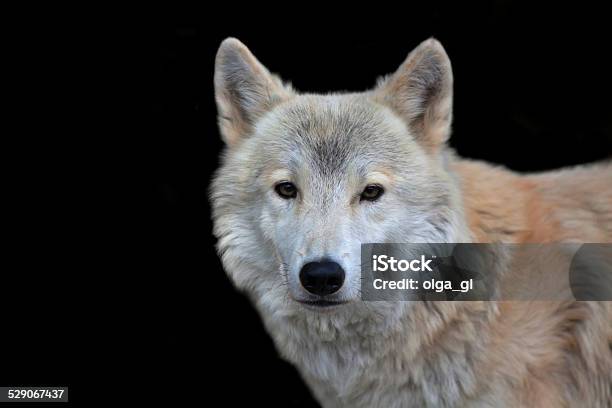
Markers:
point(357, 365)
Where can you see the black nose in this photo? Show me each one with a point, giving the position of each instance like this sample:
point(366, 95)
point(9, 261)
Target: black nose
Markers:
point(322, 278)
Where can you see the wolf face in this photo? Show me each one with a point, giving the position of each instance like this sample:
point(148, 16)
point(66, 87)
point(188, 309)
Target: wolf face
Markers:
point(306, 179)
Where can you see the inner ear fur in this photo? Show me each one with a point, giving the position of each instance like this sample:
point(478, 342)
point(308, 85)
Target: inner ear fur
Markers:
point(244, 90)
point(421, 93)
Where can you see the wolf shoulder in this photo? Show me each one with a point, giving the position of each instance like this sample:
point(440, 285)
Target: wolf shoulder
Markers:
point(580, 196)
point(567, 204)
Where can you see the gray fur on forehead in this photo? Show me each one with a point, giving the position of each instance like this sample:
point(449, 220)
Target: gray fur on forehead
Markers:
point(332, 131)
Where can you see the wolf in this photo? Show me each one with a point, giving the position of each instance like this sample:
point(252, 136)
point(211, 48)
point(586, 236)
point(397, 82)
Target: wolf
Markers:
point(305, 179)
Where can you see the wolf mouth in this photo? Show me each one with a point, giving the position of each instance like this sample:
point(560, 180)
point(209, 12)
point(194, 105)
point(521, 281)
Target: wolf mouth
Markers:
point(321, 303)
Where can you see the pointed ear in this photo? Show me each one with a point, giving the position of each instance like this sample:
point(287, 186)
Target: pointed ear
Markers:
point(244, 90)
point(421, 93)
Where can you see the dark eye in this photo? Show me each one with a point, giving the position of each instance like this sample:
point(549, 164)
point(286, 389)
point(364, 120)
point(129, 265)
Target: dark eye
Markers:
point(372, 192)
point(286, 190)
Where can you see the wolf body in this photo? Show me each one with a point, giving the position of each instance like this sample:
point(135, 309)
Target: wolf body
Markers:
point(308, 177)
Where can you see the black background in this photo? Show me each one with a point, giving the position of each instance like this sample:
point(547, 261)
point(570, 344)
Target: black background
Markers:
point(149, 304)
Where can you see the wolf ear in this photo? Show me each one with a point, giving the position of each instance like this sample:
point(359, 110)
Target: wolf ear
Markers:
point(421, 93)
point(244, 90)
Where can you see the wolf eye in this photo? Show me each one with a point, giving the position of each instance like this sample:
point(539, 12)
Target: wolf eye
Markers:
point(286, 190)
point(372, 192)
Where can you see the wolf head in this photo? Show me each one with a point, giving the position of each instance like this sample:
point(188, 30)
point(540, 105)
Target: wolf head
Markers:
point(306, 179)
